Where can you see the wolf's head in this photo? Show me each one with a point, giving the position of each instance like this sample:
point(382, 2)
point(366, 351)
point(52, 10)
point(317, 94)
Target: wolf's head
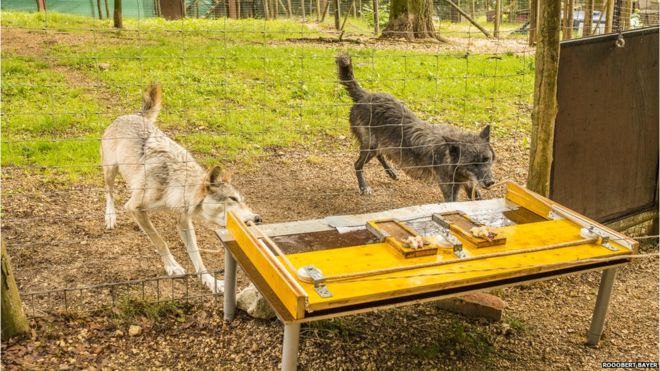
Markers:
point(474, 156)
point(221, 197)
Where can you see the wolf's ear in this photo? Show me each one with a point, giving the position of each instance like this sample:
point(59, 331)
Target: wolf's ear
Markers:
point(453, 146)
point(485, 133)
point(218, 176)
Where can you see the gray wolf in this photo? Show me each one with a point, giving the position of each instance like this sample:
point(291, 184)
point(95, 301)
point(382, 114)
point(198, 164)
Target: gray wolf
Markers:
point(387, 130)
point(162, 175)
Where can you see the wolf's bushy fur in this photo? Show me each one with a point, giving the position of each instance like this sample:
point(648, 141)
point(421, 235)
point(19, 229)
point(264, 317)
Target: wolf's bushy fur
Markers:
point(385, 128)
point(161, 174)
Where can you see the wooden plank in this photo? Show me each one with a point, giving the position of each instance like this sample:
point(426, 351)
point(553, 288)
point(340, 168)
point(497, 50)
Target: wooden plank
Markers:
point(461, 224)
point(537, 200)
point(415, 281)
point(267, 267)
point(521, 196)
point(450, 293)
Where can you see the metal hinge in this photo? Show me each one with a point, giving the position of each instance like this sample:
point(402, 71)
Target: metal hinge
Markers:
point(310, 272)
point(603, 238)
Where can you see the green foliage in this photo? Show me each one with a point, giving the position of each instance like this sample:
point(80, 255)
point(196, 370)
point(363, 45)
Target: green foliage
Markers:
point(129, 310)
point(517, 325)
point(383, 14)
point(460, 340)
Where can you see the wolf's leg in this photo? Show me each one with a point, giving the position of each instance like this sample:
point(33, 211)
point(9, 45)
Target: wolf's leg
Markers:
point(449, 191)
point(109, 174)
point(387, 167)
point(187, 233)
point(365, 156)
point(470, 189)
point(171, 266)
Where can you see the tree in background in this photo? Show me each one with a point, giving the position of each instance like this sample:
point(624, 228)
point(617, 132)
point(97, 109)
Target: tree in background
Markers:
point(412, 19)
point(117, 15)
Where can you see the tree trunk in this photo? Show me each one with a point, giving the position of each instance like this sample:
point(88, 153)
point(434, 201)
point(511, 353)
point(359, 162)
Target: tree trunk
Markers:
point(498, 18)
point(412, 19)
point(231, 4)
point(609, 16)
point(98, 6)
point(545, 98)
point(376, 18)
point(588, 17)
point(568, 20)
point(533, 20)
point(513, 10)
point(117, 15)
point(12, 316)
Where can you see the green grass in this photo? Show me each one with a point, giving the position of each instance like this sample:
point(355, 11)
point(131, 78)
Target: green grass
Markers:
point(233, 90)
point(460, 339)
point(130, 310)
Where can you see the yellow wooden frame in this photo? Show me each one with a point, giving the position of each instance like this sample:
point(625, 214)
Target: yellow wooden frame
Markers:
point(295, 300)
point(264, 268)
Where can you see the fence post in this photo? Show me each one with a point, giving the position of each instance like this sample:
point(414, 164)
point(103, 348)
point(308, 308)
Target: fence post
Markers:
point(337, 14)
point(545, 97)
point(13, 319)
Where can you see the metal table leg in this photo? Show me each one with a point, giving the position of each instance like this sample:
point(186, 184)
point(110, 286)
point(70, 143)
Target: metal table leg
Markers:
point(290, 346)
point(230, 286)
point(602, 303)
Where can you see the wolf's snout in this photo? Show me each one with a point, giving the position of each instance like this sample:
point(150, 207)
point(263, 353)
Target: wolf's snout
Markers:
point(488, 183)
point(257, 219)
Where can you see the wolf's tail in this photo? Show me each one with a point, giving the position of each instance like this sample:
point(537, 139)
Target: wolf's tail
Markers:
point(346, 78)
point(151, 103)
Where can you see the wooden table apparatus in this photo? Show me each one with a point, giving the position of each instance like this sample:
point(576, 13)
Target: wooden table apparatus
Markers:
point(353, 273)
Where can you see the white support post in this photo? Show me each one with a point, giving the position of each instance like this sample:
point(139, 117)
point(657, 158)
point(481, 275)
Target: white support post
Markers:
point(290, 346)
point(230, 286)
point(602, 303)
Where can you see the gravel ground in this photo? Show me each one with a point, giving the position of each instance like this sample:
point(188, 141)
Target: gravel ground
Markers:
point(56, 238)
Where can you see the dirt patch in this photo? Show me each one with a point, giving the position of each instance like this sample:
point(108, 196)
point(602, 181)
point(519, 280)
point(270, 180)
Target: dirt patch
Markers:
point(455, 44)
point(36, 44)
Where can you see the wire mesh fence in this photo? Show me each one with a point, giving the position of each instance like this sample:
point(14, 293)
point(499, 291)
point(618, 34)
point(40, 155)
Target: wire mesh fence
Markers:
point(259, 97)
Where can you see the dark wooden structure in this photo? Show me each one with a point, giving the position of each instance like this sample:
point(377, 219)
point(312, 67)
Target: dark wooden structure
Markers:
point(606, 135)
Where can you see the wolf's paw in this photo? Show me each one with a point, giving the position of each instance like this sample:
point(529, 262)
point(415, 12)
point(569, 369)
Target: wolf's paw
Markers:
point(216, 286)
point(110, 220)
point(392, 175)
point(174, 269)
point(366, 191)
